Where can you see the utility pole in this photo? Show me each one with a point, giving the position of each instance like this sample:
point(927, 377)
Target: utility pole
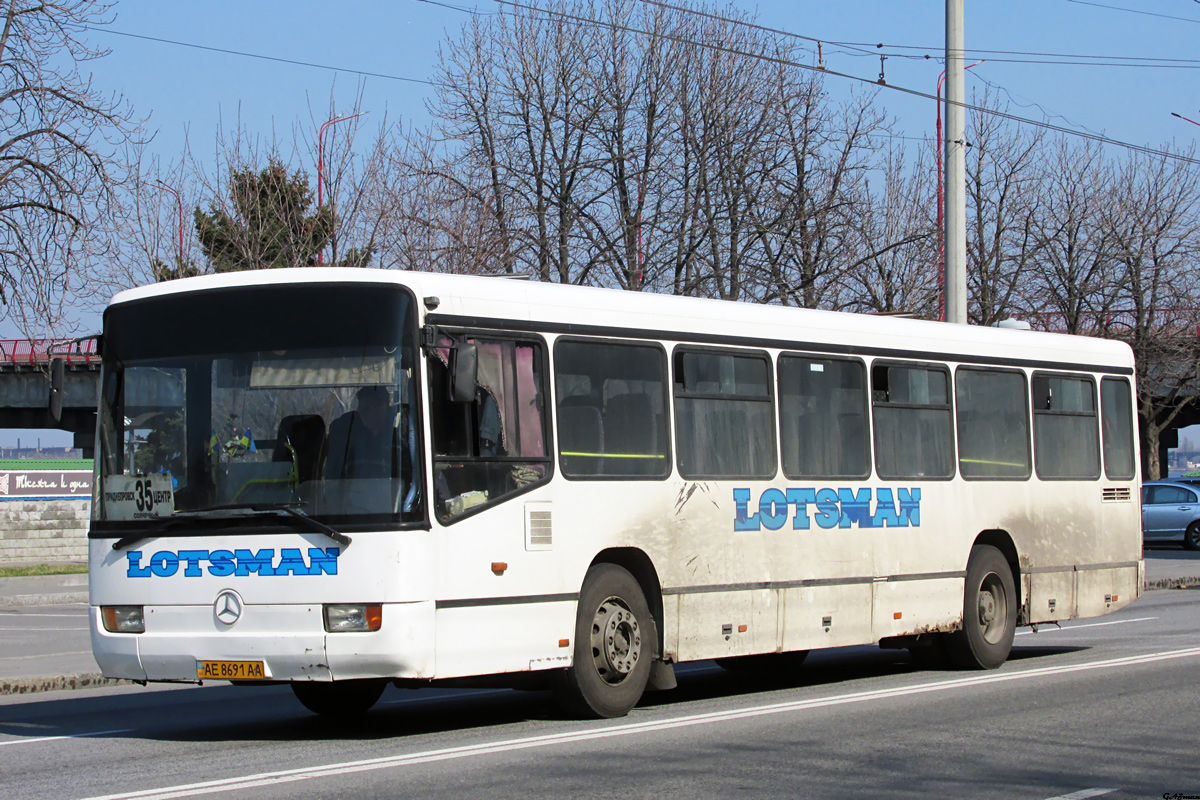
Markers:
point(956, 167)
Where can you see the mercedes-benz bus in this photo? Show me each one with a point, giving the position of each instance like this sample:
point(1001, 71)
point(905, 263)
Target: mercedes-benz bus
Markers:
point(343, 478)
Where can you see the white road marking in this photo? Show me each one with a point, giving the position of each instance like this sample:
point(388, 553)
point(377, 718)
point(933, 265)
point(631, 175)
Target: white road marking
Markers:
point(39, 630)
point(1088, 625)
point(46, 655)
point(69, 736)
point(1083, 794)
point(624, 729)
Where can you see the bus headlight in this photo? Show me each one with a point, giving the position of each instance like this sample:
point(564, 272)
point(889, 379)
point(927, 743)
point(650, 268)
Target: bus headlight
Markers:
point(123, 619)
point(343, 618)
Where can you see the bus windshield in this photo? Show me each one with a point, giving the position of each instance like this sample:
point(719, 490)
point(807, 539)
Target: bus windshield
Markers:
point(299, 397)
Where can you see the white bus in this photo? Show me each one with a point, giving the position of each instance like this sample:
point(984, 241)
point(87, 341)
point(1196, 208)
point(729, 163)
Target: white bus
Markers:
point(340, 478)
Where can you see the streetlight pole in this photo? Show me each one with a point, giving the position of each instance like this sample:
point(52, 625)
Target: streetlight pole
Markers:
point(941, 205)
point(956, 168)
point(179, 203)
point(1185, 119)
point(321, 165)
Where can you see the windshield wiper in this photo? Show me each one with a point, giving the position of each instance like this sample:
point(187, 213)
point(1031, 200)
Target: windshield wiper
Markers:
point(289, 510)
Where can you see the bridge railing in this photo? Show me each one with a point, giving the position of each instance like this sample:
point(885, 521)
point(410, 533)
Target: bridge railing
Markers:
point(38, 352)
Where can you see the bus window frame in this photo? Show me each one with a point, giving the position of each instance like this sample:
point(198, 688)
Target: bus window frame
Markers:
point(1027, 397)
point(683, 348)
point(1095, 415)
point(668, 416)
point(936, 366)
point(462, 334)
point(1132, 443)
point(868, 417)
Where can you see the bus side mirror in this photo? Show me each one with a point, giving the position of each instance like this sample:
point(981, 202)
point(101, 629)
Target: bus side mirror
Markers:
point(57, 369)
point(464, 373)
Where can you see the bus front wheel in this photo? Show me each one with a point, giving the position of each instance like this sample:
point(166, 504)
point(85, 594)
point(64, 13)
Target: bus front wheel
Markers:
point(989, 612)
point(338, 699)
point(614, 646)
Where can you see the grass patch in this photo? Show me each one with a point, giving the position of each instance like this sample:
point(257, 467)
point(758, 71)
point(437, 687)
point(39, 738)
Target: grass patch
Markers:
point(43, 569)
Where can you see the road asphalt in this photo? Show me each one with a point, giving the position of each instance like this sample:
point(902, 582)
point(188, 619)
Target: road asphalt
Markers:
point(43, 622)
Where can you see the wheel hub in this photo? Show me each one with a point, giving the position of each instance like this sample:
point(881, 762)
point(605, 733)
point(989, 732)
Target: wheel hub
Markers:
point(987, 609)
point(616, 640)
point(993, 608)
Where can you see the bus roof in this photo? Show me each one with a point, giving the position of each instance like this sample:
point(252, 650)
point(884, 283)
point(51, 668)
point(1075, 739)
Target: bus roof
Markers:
point(533, 305)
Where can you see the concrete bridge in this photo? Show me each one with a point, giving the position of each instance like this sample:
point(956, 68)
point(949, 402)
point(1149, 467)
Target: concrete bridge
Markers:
point(25, 386)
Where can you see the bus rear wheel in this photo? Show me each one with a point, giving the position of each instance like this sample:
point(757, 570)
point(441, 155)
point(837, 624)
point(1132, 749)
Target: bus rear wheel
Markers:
point(615, 645)
point(338, 699)
point(989, 612)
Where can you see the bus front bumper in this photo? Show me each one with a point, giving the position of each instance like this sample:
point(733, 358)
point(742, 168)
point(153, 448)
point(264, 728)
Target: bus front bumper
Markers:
point(288, 641)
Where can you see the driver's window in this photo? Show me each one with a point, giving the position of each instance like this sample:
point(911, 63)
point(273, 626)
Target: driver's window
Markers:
point(493, 446)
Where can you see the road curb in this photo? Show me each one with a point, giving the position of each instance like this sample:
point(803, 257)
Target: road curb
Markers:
point(87, 680)
point(1172, 583)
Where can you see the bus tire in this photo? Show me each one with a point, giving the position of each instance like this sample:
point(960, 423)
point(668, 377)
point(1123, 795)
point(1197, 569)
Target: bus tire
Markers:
point(615, 642)
point(989, 612)
point(773, 664)
point(338, 699)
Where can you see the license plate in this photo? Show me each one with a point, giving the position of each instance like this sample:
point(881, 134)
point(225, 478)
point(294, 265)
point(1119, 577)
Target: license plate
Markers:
point(231, 670)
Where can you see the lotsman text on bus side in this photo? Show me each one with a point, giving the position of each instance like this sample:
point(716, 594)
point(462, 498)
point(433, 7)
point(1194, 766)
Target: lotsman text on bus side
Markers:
point(828, 508)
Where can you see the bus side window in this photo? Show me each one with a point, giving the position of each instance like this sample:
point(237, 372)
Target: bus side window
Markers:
point(611, 402)
point(724, 415)
point(993, 424)
point(494, 446)
point(1116, 416)
point(1065, 435)
point(914, 426)
point(823, 417)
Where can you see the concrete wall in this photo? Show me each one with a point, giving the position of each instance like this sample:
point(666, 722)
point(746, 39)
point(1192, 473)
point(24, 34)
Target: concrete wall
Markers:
point(43, 531)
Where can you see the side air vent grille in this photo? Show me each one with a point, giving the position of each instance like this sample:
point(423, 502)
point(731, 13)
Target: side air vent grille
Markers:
point(539, 526)
point(1117, 494)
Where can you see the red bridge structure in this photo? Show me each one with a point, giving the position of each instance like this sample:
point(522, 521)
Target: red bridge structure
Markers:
point(16, 354)
point(25, 386)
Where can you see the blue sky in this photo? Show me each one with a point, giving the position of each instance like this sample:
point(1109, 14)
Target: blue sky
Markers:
point(185, 89)
point(189, 94)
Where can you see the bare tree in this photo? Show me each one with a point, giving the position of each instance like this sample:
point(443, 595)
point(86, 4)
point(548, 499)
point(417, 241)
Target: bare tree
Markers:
point(58, 134)
point(897, 270)
point(151, 223)
point(349, 177)
point(1154, 224)
point(1070, 284)
point(822, 195)
point(1001, 211)
point(719, 159)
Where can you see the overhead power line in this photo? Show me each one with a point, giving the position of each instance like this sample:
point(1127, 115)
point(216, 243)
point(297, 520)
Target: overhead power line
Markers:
point(904, 90)
point(259, 56)
point(1135, 11)
point(874, 50)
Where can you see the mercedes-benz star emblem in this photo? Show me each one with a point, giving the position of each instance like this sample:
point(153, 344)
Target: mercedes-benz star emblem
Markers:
point(228, 607)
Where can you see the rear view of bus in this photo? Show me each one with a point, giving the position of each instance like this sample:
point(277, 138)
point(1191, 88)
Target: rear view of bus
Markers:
point(254, 449)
